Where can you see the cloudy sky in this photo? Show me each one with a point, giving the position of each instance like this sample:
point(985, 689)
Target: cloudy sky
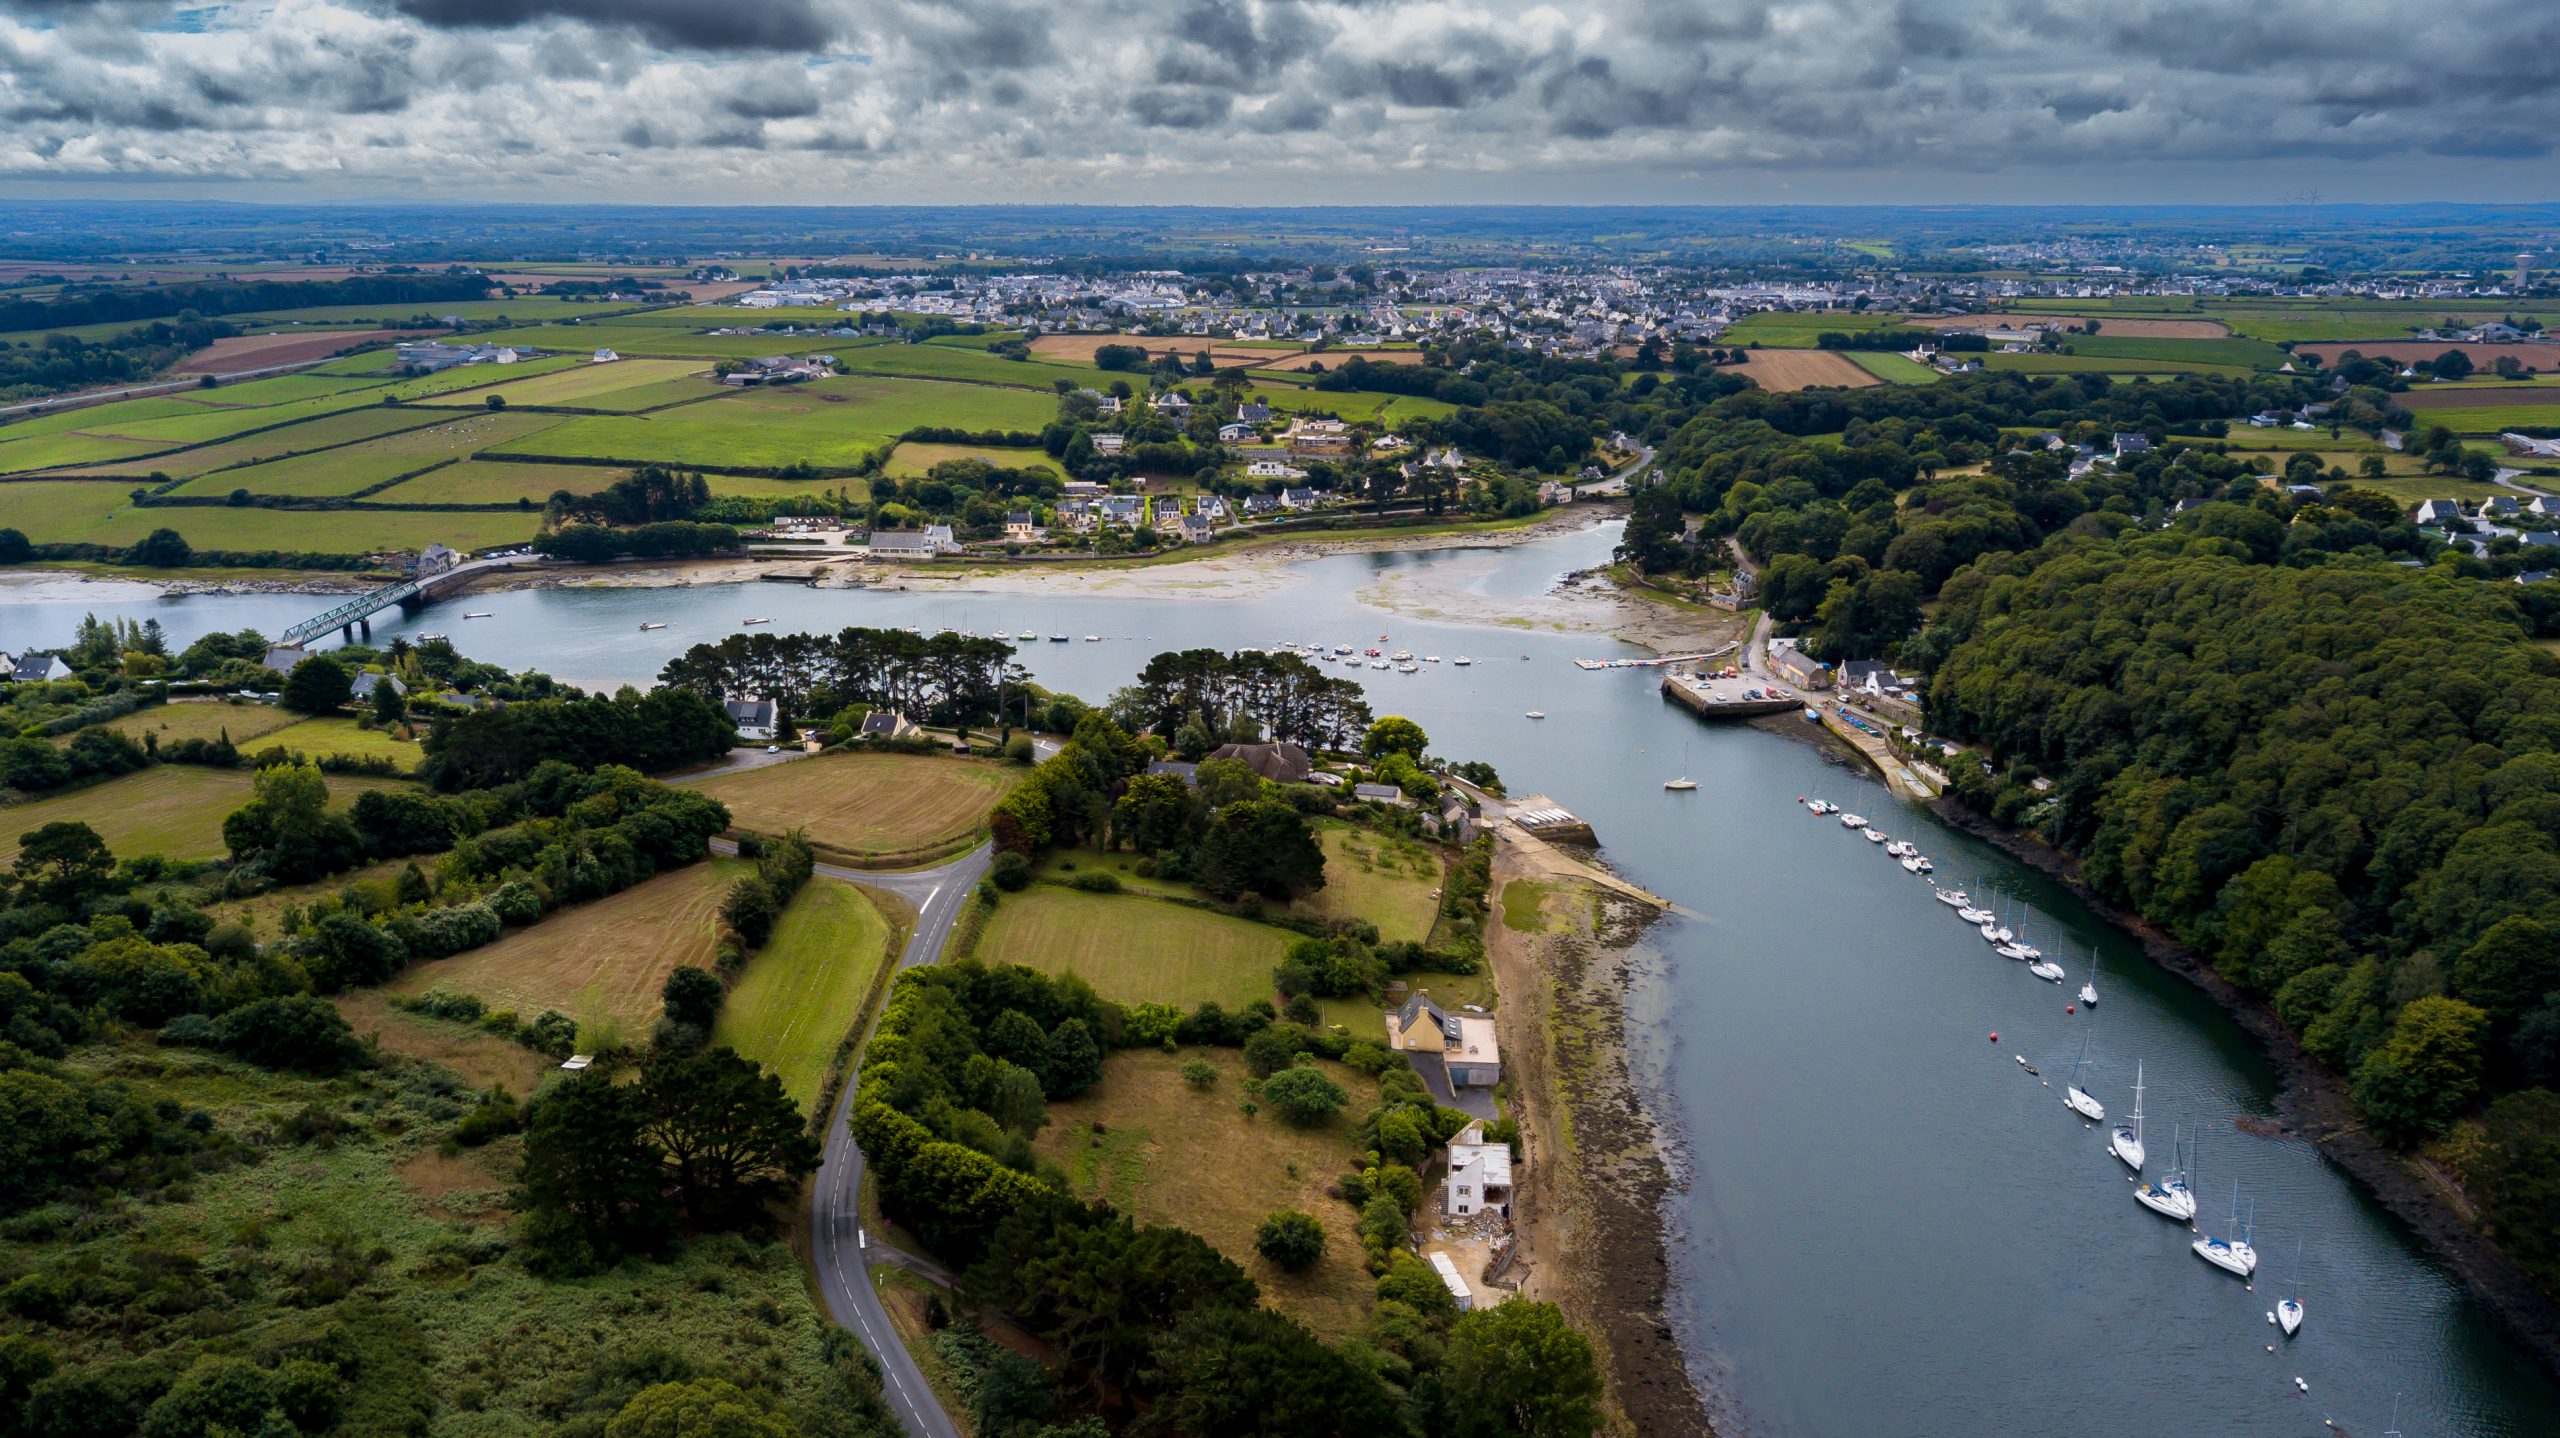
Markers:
point(1287, 101)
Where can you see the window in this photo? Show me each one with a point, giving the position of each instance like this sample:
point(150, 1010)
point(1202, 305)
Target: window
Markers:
point(1463, 1190)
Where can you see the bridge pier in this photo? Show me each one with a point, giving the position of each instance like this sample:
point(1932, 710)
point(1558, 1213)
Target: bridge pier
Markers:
point(367, 626)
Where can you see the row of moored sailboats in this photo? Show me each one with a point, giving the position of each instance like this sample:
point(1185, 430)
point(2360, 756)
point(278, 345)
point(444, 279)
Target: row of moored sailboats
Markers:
point(2174, 1195)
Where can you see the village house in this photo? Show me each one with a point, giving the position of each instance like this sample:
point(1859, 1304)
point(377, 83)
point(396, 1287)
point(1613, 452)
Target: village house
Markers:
point(1464, 1044)
point(361, 688)
point(1479, 1178)
point(1318, 437)
point(1300, 497)
point(1194, 529)
point(901, 544)
point(1798, 668)
point(1019, 526)
point(888, 724)
point(1109, 443)
point(1234, 433)
point(1272, 469)
point(282, 657)
point(754, 718)
point(1084, 489)
point(1280, 762)
point(2439, 511)
point(40, 669)
point(2132, 444)
point(1254, 412)
point(1261, 506)
point(942, 539)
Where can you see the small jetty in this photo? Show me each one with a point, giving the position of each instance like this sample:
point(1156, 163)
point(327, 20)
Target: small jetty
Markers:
point(1656, 663)
point(1549, 820)
point(1713, 697)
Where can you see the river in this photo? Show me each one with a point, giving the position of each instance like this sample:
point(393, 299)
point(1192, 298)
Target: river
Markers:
point(1889, 1228)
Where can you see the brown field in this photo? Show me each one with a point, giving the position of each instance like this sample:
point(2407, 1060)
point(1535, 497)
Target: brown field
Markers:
point(601, 963)
point(2532, 357)
point(481, 1059)
point(1334, 359)
point(2444, 396)
point(248, 352)
point(1079, 349)
point(876, 808)
point(1784, 370)
point(2126, 327)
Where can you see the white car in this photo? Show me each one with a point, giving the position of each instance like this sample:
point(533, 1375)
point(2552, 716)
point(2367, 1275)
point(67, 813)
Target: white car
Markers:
point(773, 748)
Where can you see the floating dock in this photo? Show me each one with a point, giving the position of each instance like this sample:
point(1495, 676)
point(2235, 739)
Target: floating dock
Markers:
point(1713, 698)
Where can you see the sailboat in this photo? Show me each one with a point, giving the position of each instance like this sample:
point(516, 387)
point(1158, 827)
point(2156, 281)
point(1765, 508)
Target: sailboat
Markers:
point(2089, 988)
point(2289, 1312)
point(2231, 1255)
point(2126, 1142)
point(2076, 1098)
point(2172, 1197)
point(1684, 783)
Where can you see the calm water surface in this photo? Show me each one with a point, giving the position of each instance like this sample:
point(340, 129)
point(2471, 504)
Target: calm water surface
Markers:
point(1890, 1229)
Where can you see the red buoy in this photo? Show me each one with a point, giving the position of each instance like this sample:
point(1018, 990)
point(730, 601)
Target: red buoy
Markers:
point(2070, 1008)
point(1995, 1037)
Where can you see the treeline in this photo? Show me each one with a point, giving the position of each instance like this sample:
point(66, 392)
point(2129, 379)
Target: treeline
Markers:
point(61, 363)
point(945, 677)
point(221, 297)
point(673, 539)
point(1202, 697)
point(1150, 1324)
point(662, 729)
point(651, 494)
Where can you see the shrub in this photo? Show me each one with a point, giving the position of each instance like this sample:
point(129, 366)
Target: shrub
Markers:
point(1098, 881)
point(1303, 1095)
point(1011, 872)
point(1293, 1241)
point(1199, 1073)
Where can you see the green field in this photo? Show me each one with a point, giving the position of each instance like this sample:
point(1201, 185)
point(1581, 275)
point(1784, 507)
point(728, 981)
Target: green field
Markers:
point(912, 459)
point(485, 481)
point(944, 362)
point(832, 422)
point(2483, 418)
point(1133, 949)
point(1393, 883)
point(2256, 354)
point(349, 468)
point(319, 738)
point(804, 991)
point(99, 512)
point(343, 427)
point(2098, 364)
point(173, 722)
point(173, 810)
point(630, 339)
point(625, 386)
point(1893, 368)
point(527, 309)
point(1790, 329)
point(1355, 405)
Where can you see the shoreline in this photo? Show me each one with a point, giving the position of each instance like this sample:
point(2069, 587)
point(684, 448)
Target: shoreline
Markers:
point(2311, 1101)
point(1599, 1160)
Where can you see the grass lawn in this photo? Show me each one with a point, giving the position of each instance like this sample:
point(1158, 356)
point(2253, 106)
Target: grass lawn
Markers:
point(1893, 368)
point(804, 991)
point(456, 1337)
point(300, 437)
point(499, 481)
point(1392, 882)
point(601, 963)
point(97, 513)
point(1133, 949)
point(868, 806)
point(912, 459)
point(173, 722)
point(1141, 1139)
point(2483, 419)
point(318, 738)
point(173, 810)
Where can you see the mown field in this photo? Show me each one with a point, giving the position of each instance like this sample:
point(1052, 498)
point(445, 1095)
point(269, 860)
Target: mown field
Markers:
point(174, 722)
point(1894, 368)
point(945, 362)
point(2488, 419)
point(912, 459)
point(624, 386)
point(804, 991)
point(603, 963)
point(830, 422)
point(484, 481)
point(1133, 949)
point(2100, 364)
point(343, 735)
point(1393, 883)
point(299, 437)
point(173, 810)
point(1790, 329)
point(865, 805)
point(1139, 1139)
point(98, 512)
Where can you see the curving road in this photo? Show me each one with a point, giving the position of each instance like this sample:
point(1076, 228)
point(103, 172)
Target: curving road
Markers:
point(835, 1217)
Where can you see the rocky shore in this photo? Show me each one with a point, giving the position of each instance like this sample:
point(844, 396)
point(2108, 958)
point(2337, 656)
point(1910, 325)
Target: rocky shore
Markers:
point(2311, 1101)
point(1598, 1166)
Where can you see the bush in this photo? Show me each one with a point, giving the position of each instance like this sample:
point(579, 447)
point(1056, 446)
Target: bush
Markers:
point(295, 1032)
point(1097, 881)
point(1293, 1241)
point(1011, 872)
point(1199, 1073)
point(1303, 1095)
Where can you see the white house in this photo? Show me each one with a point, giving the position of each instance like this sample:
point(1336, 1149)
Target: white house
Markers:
point(1272, 469)
point(2439, 511)
point(901, 544)
point(942, 539)
point(38, 669)
point(754, 719)
point(606, 357)
point(1018, 526)
point(1479, 1174)
point(1233, 433)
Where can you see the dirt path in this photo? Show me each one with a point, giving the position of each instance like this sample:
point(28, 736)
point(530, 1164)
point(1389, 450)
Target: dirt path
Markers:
point(1595, 1173)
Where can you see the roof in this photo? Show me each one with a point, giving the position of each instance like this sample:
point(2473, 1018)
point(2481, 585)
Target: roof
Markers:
point(902, 541)
point(1489, 1162)
point(1281, 762)
point(757, 712)
point(33, 667)
point(1474, 1041)
point(364, 683)
point(1420, 1009)
point(1178, 769)
point(884, 722)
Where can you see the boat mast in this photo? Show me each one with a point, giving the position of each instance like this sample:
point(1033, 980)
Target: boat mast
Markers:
point(2137, 1101)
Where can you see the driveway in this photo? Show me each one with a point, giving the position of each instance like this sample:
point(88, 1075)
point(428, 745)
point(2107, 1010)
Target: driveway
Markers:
point(1435, 1077)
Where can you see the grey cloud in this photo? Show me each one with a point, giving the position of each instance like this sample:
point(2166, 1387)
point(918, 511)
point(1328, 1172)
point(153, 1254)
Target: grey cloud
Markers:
point(1179, 109)
point(686, 24)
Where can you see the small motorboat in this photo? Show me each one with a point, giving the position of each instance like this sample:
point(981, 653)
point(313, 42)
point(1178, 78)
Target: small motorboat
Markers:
point(1401, 655)
point(1093, 639)
point(1537, 713)
point(1911, 863)
point(646, 627)
point(1853, 821)
point(2047, 970)
point(1408, 667)
point(1925, 867)
point(1682, 785)
point(1430, 658)
point(1874, 836)
point(1955, 897)
point(485, 614)
point(1057, 639)
point(1377, 664)
point(1027, 635)
point(757, 621)
point(2022, 1063)
point(1462, 660)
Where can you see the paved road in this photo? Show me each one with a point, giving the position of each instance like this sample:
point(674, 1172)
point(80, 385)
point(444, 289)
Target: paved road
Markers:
point(835, 1222)
point(1618, 483)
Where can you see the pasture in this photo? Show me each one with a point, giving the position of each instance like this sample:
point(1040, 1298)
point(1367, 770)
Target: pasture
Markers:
point(1894, 368)
point(2255, 354)
point(2128, 327)
point(603, 963)
point(1335, 359)
point(914, 458)
point(804, 991)
point(2489, 419)
point(1080, 349)
point(172, 723)
point(2099, 364)
point(98, 512)
point(948, 362)
point(322, 737)
point(349, 469)
point(623, 386)
point(172, 810)
point(1137, 1140)
point(1800, 329)
point(869, 807)
point(1783, 370)
point(487, 481)
point(1134, 949)
point(295, 434)
point(831, 422)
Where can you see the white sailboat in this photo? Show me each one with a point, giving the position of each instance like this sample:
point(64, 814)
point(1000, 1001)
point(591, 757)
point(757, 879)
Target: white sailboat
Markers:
point(2047, 970)
point(2126, 1142)
point(2089, 987)
point(1684, 783)
point(2289, 1312)
point(2231, 1255)
point(2078, 1099)
point(2174, 1196)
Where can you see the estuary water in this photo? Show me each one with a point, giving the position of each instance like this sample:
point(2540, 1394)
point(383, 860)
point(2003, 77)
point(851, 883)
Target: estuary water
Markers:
point(1889, 1228)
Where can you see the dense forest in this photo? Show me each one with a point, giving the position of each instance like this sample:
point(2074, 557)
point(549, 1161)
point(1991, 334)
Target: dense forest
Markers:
point(2317, 746)
point(113, 304)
